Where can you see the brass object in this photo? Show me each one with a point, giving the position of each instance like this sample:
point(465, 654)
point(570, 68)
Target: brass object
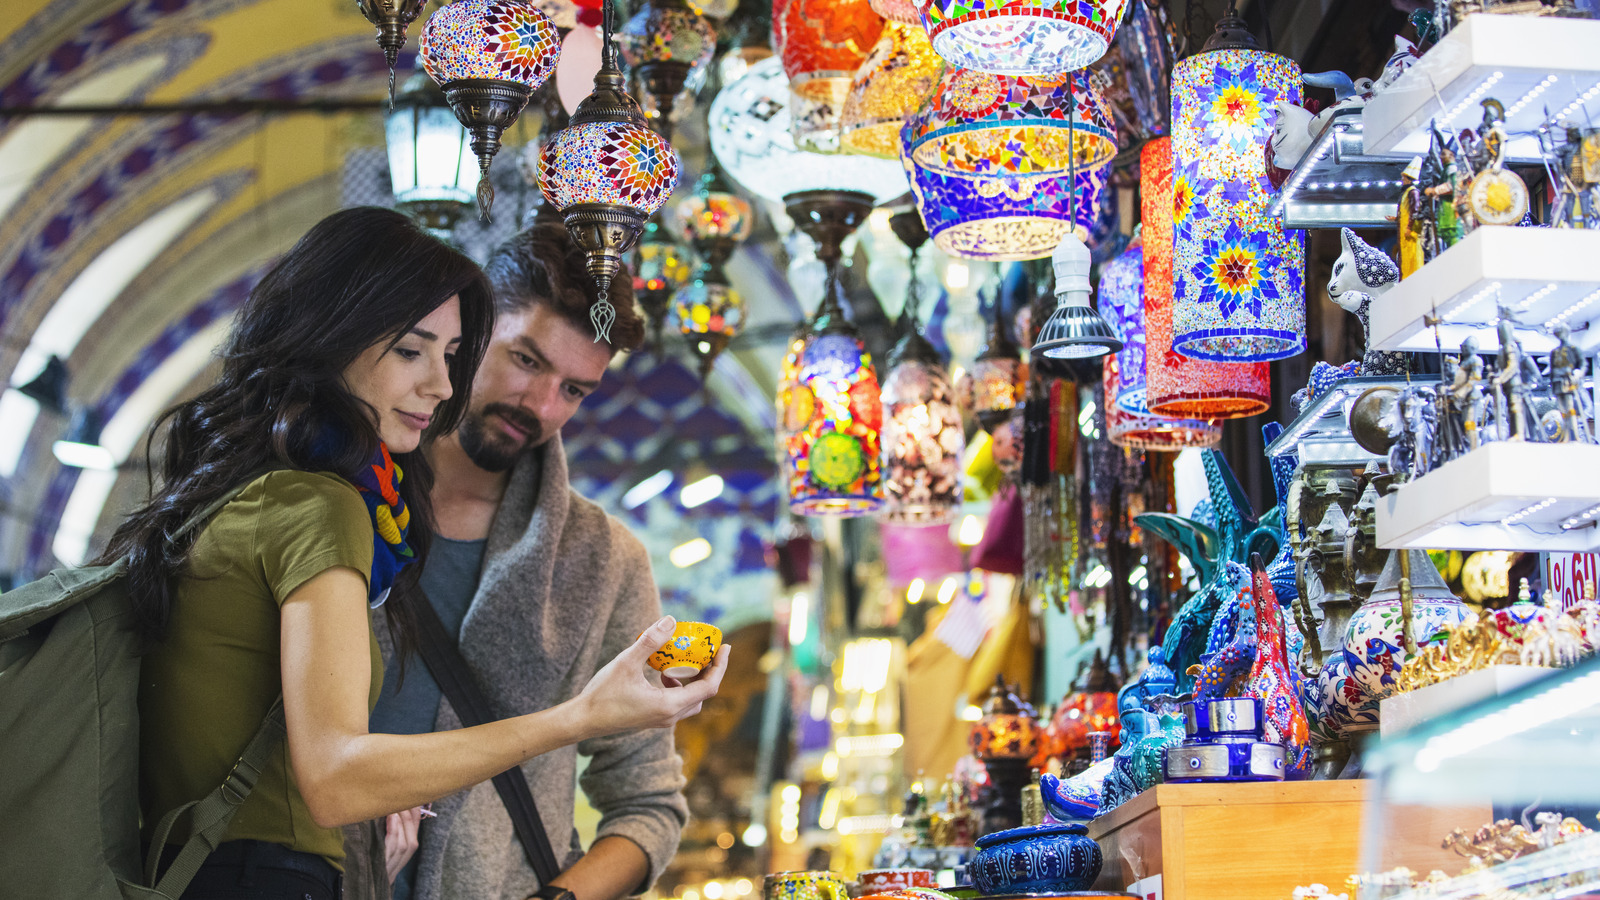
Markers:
point(1366, 417)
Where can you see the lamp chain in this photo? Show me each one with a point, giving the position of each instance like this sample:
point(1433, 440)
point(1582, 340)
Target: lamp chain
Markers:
point(914, 293)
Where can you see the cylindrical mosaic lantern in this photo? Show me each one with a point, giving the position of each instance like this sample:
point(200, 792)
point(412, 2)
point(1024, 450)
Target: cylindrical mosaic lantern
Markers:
point(1239, 276)
point(1142, 431)
point(1176, 385)
point(1003, 218)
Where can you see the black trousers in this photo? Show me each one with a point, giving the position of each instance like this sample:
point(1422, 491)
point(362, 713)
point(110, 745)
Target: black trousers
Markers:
point(257, 870)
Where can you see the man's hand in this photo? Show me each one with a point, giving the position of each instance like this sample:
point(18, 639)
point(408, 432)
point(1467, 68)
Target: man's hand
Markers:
point(400, 840)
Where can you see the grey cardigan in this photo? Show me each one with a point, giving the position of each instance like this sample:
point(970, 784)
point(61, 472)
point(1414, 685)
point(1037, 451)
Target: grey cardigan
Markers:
point(564, 589)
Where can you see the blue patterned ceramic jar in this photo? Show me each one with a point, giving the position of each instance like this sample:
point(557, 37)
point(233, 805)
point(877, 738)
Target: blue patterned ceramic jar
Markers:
point(1036, 859)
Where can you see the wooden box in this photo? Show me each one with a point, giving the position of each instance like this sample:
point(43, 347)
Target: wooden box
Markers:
point(1259, 840)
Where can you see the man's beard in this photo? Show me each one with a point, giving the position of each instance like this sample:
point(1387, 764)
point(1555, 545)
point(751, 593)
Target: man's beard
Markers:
point(490, 448)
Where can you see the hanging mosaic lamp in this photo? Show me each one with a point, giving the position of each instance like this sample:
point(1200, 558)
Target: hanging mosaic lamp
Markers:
point(751, 138)
point(710, 312)
point(1022, 37)
point(1002, 218)
point(795, 404)
point(392, 17)
point(922, 436)
point(660, 267)
point(834, 458)
point(906, 12)
point(980, 124)
point(607, 173)
point(823, 43)
point(430, 156)
point(998, 375)
point(1176, 385)
point(488, 57)
point(663, 44)
point(1239, 278)
point(1142, 431)
point(1121, 297)
point(894, 82)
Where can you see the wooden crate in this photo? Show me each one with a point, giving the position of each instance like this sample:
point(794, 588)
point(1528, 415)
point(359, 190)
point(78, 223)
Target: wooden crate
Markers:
point(1257, 841)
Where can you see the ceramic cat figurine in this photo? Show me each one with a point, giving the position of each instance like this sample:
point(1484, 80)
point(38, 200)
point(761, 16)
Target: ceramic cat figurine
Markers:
point(1361, 275)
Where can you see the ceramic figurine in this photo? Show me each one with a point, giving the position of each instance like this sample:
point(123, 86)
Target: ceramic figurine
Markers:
point(1409, 219)
point(1231, 649)
point(1075, 799)
point(1496, 195)
point(1410, 422)
point(1361, 275)
point(1148, 763)
point(1566, 383)
point(1119, 786)
point(1273, 681)
point(1513, 411)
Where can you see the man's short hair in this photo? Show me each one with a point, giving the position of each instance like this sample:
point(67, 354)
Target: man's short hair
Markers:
point(545, 265)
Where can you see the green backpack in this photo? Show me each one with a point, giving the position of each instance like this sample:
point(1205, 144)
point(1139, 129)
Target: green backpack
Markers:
point(69, 746)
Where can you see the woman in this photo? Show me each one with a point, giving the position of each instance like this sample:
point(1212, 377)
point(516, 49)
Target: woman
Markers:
point(358, 346)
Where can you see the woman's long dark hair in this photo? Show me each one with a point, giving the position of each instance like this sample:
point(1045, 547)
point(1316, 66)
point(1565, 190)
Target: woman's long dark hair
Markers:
point(360, 277)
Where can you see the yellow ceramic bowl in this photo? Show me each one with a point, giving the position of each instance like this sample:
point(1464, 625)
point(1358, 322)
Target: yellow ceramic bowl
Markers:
point(693, 646)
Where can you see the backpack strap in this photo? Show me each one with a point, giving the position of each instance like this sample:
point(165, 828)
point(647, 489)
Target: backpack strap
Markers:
point(215, 811)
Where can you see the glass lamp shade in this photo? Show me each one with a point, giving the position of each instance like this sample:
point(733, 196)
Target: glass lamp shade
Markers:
point(430, 154)
point(750, 137)
point(835, 457)
point(795, 404)
point(500, 40)
point(894, 82)
point(823, 43)
point(1022, 37)
point(1121, 297)
point(997, 385)
point(617, 163)
point(1239, 277)
point(814, 119)
point(1176, 385)
point(710, 313)
point(1002, 218)
point(660, 267)
point(981, 124)
point(714, 213)
point(922, 443)
point(1143, 431)
point(667, 32)
point(906, 12)
point(1008, 729)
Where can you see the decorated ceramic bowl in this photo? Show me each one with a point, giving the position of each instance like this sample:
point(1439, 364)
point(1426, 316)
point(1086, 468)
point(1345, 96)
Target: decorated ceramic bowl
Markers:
point(692, 647)
point(816, 885)
point(1036, 859)
point(877, 881)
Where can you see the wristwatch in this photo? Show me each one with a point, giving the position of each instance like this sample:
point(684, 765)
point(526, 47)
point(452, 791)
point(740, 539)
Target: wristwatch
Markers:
point(553, 892)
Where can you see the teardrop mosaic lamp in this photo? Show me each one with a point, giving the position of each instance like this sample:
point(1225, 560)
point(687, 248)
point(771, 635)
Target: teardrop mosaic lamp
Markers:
point(710, 312)
point(488, 57)
point(894, 82)
point(1176, 385)
point(1022, 37)
point(607, 173)
point(823, 43)
point(1142, 431)
point(981, 124)
point(1239, 278)
point(663, 44)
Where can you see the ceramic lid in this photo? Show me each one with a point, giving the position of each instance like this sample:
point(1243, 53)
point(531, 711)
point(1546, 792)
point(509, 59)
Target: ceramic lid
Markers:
point(1031, 831)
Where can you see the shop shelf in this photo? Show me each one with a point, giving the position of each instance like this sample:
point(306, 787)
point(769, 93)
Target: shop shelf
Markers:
point(1529, 63)
point(1336, 184)
point(1508, 495)
point(1545, 276)
point(1320, 435)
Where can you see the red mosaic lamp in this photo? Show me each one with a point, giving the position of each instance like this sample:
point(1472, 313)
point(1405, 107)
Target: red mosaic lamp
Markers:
point(823, 43)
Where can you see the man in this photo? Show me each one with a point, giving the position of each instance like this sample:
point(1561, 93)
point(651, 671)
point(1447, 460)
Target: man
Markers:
point(543, 588)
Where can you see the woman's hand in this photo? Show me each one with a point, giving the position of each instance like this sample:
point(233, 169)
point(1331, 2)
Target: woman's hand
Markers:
point(400, 840)
point(622, 697)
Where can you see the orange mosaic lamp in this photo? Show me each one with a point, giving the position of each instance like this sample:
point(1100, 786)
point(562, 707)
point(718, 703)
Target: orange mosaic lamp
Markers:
point(894, 82)
point(823, 43)
point(1176, 385)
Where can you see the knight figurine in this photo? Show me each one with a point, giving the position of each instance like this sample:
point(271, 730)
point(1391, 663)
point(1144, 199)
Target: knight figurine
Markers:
point(1566, 383)
point(1513, 411)
point(1467, 392)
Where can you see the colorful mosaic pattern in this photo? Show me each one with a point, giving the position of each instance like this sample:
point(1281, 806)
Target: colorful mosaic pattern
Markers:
point(906, 12)
point(1176, 385)
point(1003, 218)
point(834, 458)
point(894, 82)
point(1239, 278)
point(711, 215)
point(750, 137)
point(1139, 430)
point(1121, 302)
point(706, 307)
point(509, 40)
point(997, 385)
point(995, 125)
point(1022, 37)
point(667, 34)
point(922, 445)
point(608, 162)
point(822, 40)
point(815, 117)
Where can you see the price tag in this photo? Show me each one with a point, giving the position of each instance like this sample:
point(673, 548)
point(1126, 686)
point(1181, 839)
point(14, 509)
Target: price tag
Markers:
point(1571, 577)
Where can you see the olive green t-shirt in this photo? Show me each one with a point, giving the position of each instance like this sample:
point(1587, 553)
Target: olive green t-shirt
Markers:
point(205, 689)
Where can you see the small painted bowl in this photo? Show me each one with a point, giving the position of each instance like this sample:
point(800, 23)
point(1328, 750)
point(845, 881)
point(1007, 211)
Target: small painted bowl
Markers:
point(692, 647)
point(814, 885)
point(876, 881)
point(1036, 859)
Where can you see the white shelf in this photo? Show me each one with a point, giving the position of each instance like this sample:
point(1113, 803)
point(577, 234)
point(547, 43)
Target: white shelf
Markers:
point(1407, 710)
point(1502, 496)
point(1544, 275)
point(1528, 63)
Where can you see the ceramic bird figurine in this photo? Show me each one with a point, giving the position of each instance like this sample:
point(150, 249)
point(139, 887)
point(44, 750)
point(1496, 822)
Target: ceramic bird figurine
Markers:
point(1273, 681)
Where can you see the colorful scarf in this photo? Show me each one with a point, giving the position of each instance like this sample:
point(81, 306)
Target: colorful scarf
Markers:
point(379, 483)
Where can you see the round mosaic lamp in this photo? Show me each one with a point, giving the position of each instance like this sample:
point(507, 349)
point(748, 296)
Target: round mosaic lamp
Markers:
point(1022, 37)
point(607, 173)
point(1142, 431)
point(894, 82)
point(750, 137)
point(710, 312)
point(660, 267)
point(488, 57)
point(823, 43)
point(715, 212)
point(662, 44)
point(980, 124)
point(392, 17)
point(1239, 278)
point(1176, 385)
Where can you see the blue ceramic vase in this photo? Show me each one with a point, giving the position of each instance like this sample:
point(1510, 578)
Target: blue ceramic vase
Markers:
point(1036, 859)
